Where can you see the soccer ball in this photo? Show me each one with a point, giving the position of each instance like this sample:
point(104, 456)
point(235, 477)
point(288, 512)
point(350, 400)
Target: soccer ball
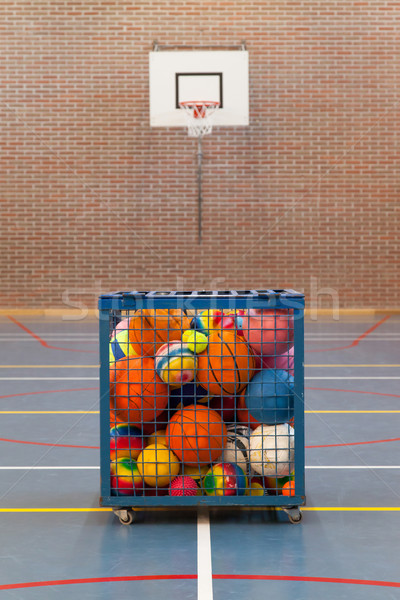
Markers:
point(237, 447)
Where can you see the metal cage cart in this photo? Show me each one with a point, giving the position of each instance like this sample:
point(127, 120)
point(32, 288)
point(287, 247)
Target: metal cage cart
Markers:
point(202, 400)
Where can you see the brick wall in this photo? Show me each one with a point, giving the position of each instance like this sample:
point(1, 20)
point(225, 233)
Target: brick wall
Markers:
point(94, 200)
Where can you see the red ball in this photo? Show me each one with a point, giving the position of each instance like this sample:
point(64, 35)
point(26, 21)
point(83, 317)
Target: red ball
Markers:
point(183, 486)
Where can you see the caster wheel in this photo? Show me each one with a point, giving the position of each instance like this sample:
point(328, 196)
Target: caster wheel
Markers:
point(126, 519)
point(295, 517)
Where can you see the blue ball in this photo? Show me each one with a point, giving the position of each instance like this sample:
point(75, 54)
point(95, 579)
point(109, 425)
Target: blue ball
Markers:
point(269, 396)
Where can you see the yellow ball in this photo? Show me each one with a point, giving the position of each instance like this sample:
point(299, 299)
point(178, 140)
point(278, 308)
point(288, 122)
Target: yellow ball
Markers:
point(256, 489)
point(157, 465)
point(158, 437)
point(196, 341)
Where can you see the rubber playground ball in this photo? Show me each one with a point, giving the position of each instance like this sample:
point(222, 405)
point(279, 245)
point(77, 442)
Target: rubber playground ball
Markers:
point(157, 465)
point(119, 342)
point(283, 361)
point(269, 332)
point(196, 472)
point(184, 486)
point(227, 365)
point(272, 450)
point(256, 487)
point(268, 398)
point(206, 321)
point(196, 434)
point(175, 363)
point(275, 484)
point(225, 479)
point(125, 477)
point(149, 329)
point(288, 489)
point(136, 392)
point(158, 437)
point(125, 442)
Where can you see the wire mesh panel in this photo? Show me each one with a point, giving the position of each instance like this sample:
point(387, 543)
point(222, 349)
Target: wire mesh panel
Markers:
point(202, 398)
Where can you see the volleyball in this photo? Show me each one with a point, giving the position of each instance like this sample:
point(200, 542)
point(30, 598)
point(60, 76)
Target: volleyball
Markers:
point(272, 450)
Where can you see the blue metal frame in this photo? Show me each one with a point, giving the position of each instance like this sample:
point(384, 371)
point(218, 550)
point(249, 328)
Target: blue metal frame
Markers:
point(263, 299)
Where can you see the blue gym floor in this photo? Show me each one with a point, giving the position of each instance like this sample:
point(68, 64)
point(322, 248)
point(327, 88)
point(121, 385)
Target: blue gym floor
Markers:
point(56, 542)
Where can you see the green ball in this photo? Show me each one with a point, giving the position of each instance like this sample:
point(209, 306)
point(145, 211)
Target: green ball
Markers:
point(196, 341)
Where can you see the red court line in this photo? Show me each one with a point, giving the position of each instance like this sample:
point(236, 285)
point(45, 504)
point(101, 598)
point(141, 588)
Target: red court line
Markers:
point(310, 579)
point(355, 443)
point(47, 444)
point(49, 392)
point(323, 389)
point(42, 342)
point(31, 584)
point(356, 341)
point(98, 447)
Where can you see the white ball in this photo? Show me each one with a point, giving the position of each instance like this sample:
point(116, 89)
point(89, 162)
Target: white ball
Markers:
point(237, 447)
point(272, 450)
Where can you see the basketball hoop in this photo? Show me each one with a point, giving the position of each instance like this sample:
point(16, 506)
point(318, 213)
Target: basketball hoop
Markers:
point(199, 116)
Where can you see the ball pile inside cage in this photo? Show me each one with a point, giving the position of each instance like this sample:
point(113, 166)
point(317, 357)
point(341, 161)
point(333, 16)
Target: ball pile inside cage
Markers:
point(202, 402)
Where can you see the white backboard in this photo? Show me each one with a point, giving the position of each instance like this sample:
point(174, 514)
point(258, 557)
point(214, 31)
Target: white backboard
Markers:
point(177, 76)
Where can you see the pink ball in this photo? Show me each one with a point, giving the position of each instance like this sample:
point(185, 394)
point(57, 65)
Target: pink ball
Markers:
point(183, 486)
point(122, 325)
point(284, 361)
point(269, 332)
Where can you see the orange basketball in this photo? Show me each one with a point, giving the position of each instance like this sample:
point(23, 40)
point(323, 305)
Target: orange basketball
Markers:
point(137, 394)
point(227, 365)
point(196, 434)
point(149, 329)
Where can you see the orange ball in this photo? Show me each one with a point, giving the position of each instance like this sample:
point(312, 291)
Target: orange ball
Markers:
point(196, 434)
point(149, 329)
point(227, 365)
point(137, 394)
point(288, 489)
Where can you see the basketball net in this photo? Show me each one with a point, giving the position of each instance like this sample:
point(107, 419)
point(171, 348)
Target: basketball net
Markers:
point(199, 116)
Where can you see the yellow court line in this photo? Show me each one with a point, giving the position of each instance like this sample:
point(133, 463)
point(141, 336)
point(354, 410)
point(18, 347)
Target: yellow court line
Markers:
point(303, 508)
point(352, 508)
point(46, 510)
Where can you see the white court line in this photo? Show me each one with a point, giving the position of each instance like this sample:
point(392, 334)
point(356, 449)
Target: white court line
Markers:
point(49, 378)
point(351, 339)
point(204, 562)
point(58, 467)
point(35, 468)
point(351, 377)
point(353, 467)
